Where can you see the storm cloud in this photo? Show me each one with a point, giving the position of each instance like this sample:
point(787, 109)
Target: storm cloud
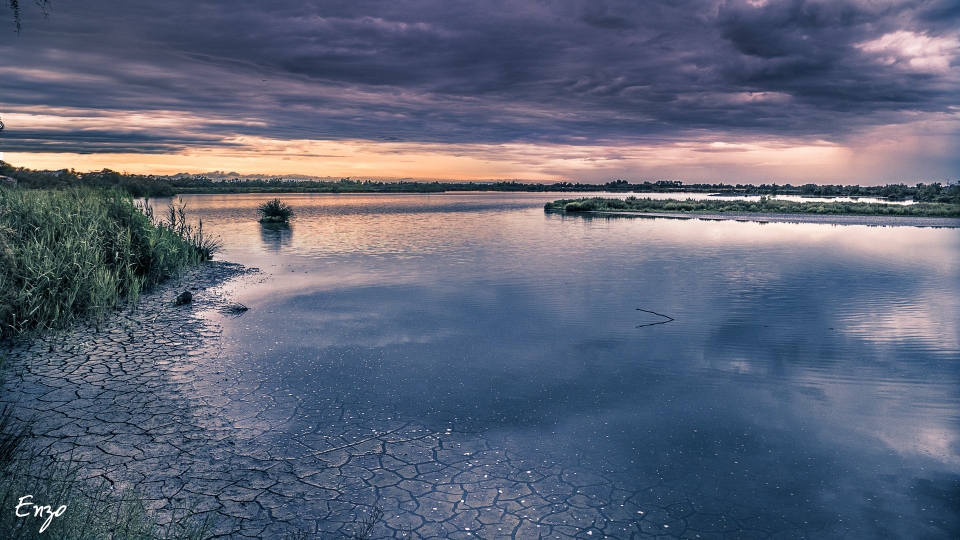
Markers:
point(492, 72)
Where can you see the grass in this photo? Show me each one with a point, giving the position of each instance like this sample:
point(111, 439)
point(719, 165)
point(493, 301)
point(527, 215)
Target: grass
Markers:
point(275, 211)
point(93, 509)
point(71, 254)
point(363, 530)
point(82, 252)
point(764, 206)
point(64, 255)
point(13, 435)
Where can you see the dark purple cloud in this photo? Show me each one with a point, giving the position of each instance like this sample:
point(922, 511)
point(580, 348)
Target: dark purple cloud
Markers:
point(470, 71)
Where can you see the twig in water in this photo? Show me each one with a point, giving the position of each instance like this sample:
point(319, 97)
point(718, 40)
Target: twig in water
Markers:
point(667, 317)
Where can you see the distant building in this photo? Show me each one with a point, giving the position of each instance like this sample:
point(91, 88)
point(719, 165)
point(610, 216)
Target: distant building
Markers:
point(6, 181)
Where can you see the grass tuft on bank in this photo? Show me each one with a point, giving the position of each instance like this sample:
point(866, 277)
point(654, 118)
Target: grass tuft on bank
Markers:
point(763, 206)
point(71, 508)
point(80, 253)
point(64, 255)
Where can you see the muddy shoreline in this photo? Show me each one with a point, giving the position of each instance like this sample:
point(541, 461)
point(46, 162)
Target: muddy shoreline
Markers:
point(114, 399)
point(149, 401)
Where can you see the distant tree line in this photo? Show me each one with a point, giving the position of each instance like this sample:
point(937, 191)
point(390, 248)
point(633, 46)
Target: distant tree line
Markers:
point(140, 185)
point(136, 185)
point(935, 192)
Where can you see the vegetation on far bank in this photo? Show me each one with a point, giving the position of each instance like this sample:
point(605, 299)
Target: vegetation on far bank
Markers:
point(765, 205)
point(81, 252)
point(165, 186)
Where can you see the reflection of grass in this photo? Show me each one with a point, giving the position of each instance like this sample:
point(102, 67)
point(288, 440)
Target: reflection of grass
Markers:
point(235, 309)
point(275, 225)
point(94, 509)
point(763, 206)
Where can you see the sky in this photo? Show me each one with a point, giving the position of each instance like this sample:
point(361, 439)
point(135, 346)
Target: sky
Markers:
point(737, 91)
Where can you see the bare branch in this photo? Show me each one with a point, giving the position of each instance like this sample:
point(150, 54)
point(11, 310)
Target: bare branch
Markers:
point(15, 6)
point(43, 5)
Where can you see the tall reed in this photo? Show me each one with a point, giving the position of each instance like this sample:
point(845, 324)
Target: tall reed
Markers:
point(82, 252)
point(64, 255)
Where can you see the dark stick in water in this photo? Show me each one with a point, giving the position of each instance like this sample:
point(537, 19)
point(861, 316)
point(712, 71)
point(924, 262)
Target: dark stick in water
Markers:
point(669, 318)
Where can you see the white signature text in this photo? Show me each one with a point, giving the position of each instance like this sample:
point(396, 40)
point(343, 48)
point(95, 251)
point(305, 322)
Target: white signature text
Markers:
point(29, 508)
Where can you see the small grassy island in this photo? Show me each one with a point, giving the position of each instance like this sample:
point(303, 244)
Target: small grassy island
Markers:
point(766, 205)
point(275, 211)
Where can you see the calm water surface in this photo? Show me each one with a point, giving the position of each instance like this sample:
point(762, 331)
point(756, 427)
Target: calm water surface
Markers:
point(675, 378)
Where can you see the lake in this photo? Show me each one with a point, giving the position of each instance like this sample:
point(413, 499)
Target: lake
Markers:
point(601, 377)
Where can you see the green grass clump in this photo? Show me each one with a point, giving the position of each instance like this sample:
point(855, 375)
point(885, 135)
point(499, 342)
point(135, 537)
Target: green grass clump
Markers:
point(275, 211)
point(79, 253)
point(82, 252)
point(764, 206)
